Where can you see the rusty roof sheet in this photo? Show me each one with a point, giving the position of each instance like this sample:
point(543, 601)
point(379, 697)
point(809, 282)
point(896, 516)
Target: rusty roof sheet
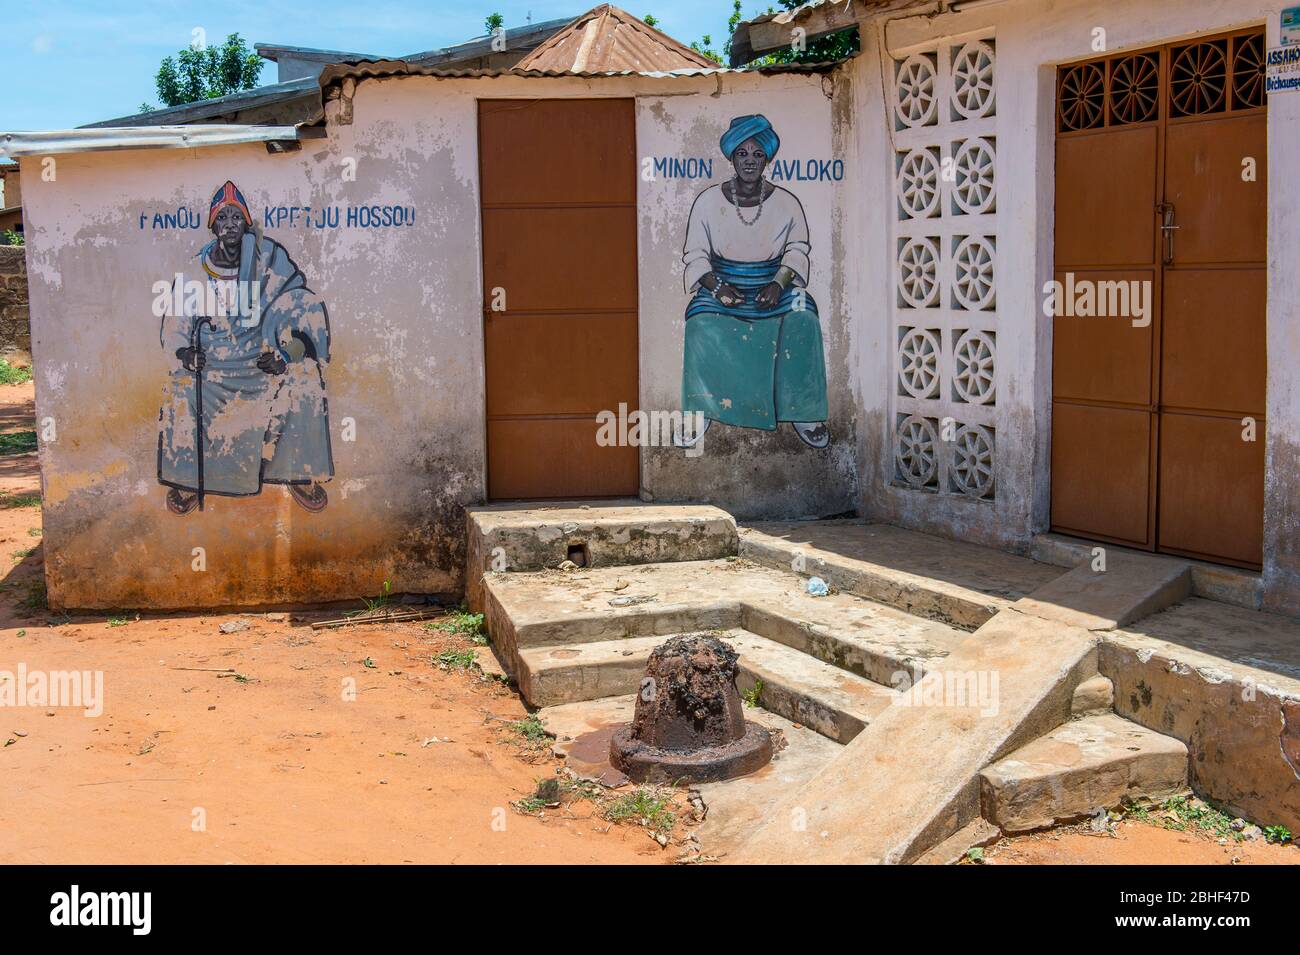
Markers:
point(48, 141)
point(380, 69)
point(609, 40)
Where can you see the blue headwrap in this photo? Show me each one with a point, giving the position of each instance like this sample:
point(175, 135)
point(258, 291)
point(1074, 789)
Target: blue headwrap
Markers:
point(750, 127)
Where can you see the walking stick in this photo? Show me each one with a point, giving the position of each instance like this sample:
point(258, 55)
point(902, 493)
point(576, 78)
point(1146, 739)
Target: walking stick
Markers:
point(198, 401)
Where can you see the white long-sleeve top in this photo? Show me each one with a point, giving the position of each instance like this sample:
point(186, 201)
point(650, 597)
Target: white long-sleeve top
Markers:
point(714, 229)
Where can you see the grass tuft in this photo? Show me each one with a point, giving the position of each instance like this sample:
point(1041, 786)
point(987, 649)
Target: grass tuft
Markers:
point(644, 805)
point(456, 659)
point(17, 442)
point(466, 624)
point(13, 374)
point(1192, 814)
point(9, 501)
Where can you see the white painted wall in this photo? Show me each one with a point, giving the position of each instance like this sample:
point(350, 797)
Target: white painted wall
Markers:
point(405, 307)
point(406, 312)
point(748, 472)
point(1031, 38)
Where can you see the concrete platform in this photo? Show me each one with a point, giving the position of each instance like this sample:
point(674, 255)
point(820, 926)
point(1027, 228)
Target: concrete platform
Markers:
point(1131, 587)
point(514, 537)
point(912, 777)
point(1226, 682)
point(734, 807)
point(1097, 762)
point(1232, 585)
point(959, 584)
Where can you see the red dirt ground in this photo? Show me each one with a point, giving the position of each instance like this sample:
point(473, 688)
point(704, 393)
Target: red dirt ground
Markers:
point(1134, 843)
point(283, 769)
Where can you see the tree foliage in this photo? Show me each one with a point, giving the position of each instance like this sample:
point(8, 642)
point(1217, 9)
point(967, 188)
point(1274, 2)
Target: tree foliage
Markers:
point(822, 50)
point(704, 44)
point(202, 72)
point(825, 49)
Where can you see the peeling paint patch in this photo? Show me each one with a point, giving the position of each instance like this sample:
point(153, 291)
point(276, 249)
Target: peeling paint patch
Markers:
point(1290, 737)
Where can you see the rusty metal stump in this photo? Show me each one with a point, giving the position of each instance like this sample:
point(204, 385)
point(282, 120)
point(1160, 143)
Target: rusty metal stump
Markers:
point(689, 725)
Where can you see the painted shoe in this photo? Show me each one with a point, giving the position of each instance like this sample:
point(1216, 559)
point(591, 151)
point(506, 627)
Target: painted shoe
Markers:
point(815, 434)
point(683, 441)
point(310, 497)
point(181, 502)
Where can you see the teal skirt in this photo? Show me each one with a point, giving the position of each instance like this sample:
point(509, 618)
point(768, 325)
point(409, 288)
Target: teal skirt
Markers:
point(754, 373)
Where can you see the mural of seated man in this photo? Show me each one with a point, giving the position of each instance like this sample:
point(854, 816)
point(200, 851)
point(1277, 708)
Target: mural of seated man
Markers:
point(753, 355)
point(245, 402)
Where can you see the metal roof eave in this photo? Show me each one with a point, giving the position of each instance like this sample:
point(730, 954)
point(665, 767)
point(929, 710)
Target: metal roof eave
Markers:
point(201, 109)
point(336, 73)
point(48, 142)
point(513, 37)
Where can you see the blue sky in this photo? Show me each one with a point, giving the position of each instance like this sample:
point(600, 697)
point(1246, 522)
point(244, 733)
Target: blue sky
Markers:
point(69, 62)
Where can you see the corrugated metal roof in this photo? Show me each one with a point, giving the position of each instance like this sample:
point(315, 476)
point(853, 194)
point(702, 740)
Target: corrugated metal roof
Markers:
point(380, 69)
point(514, 38)
point(301, 96)
point(609, 40)
point(141, 137)
point(273, 52)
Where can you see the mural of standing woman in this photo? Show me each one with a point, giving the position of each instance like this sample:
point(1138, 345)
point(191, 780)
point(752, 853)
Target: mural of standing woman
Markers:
point(245, 401)
point(753, 355)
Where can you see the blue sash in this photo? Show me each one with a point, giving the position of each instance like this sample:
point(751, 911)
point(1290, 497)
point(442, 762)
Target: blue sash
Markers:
point(747, 278)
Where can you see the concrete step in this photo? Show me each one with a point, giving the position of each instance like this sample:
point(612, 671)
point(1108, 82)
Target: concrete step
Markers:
point(1096, 762)
point(1225, 681)
point(911, 778)
point(835, 703)
point(515, 538)
point(956, 583)
point(556, 675)
point(954, 849)
point(915, 775)
point(1230, 585)
point(565, 608)
point(1093, 696)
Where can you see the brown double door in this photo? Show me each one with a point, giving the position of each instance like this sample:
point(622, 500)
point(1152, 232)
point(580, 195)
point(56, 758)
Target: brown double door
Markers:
point(1161, 173)
point(558, 182)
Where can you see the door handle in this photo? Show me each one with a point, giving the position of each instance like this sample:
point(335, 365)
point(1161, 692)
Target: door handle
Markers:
point(1167, 230)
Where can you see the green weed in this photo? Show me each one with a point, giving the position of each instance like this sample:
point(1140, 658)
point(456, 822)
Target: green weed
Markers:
point(17, 442)
point(12, 374)
point(466, 624)
point(456, 659)
point(647, 806)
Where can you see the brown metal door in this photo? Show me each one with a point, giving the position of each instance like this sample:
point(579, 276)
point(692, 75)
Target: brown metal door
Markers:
point(1157, 434)
point(1103, 415)
point(558, 181)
